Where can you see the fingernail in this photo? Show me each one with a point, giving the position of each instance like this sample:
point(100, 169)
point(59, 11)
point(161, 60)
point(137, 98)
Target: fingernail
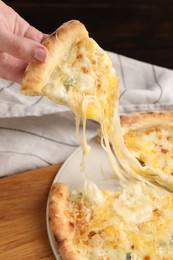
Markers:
point(40, 55)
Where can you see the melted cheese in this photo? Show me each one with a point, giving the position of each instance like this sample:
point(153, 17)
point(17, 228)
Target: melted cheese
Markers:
point(134, 206)
point(152, 146)
point(86, 76)
point(107, 233)
point(91, 194)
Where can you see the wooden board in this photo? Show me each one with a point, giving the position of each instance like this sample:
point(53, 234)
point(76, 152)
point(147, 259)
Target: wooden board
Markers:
point(23, 199)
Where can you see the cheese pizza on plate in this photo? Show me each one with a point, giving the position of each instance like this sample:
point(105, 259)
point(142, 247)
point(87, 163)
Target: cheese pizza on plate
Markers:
point(136, 221)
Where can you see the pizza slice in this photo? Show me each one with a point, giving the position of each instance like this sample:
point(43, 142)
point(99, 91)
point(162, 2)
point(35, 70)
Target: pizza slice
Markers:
point(78, 73)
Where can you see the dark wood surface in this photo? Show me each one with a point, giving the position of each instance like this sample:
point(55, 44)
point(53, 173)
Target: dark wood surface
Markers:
point(138, 29)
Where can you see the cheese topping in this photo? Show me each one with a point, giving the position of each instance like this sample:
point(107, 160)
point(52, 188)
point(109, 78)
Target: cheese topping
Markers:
point(105, 232)
point(88, 76)
point(91, 194)
point(134, 206)
point(152, 146)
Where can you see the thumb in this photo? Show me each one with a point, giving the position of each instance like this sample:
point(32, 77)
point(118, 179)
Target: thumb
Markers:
point(23, 48)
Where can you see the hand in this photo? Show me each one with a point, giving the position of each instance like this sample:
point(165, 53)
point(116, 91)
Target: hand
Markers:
point(20, 43)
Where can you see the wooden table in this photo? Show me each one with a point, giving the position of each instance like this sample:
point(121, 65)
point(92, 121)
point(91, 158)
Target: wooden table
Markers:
point(23, 199)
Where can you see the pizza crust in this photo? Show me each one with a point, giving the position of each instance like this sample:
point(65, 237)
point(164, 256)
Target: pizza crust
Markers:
point(58, 43)
point(150, 117)
point(62, 229)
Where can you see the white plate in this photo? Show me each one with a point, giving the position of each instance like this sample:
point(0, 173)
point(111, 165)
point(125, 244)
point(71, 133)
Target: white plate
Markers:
point(96, 165)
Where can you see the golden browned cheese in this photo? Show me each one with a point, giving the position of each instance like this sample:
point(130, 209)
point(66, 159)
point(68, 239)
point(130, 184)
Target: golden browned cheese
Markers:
point(149, 137)
point(122, 225)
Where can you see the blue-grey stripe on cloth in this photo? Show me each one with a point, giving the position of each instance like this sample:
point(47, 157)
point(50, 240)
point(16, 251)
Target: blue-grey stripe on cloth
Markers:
point(34, 141)
point(35, 132)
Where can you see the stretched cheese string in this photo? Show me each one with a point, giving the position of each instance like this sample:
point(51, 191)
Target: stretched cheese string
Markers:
point(125, 166)
point(82, 140)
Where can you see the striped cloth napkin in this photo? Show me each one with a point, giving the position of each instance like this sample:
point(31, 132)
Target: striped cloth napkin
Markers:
point(34, 132)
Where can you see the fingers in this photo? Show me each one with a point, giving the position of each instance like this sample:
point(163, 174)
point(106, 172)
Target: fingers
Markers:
point(34, 34)
point(20, 43)
point(11, 68)
point(23, 48)
point(45, 36)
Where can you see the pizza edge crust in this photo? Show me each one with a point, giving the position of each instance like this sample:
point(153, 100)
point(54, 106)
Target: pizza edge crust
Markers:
point(37, 75)
point(63, 230)
point(149, 116)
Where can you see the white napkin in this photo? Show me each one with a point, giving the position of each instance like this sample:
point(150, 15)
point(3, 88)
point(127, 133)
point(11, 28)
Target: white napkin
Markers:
point(34, 132)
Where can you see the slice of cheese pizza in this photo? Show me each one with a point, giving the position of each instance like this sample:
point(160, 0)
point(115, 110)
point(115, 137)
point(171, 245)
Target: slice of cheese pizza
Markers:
point(77, 73)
